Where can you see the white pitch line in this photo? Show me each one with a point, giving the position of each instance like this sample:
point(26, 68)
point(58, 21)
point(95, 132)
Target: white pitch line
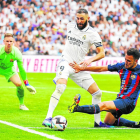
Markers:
point(109, 91)
point(87, 128)
point(31, 131)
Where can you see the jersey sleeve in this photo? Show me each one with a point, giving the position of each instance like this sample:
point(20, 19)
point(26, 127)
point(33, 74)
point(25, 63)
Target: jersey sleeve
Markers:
point(20, 65)
point(95, 39)
point(115, 67)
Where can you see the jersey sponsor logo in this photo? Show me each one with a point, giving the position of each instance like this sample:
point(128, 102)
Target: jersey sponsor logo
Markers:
point(84, 37)
point(133, 77)
point(11, 60)
point(74, 41)
point(98, 44)
point(69, 32)
point(123, 82)
point(123, 87)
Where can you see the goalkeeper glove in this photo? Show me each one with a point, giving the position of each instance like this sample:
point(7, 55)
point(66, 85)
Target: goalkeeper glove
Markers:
point(30, 88)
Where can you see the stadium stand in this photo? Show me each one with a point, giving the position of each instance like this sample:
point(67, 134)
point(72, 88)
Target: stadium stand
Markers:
point(39, 26)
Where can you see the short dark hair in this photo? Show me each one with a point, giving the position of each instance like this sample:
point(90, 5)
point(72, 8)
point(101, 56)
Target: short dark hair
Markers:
point(80, 11)
point(134, 52)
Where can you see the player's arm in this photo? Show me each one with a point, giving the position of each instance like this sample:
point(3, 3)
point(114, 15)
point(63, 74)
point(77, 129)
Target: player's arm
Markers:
point(95, 40)
point(92, 68)
point(23, 74)
point(100, 54)
point(21, 70)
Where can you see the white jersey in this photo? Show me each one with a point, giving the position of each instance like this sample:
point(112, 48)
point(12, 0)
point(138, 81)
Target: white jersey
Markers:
point(79, 41)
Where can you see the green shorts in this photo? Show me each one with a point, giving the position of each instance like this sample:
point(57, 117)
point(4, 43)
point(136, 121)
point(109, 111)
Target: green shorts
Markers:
point(8, 73)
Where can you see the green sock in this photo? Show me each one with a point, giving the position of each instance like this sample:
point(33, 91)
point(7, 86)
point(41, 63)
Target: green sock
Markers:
point(20, 94)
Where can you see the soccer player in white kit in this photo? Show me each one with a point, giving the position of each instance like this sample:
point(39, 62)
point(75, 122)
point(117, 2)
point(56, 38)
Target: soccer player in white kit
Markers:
point(80, 36)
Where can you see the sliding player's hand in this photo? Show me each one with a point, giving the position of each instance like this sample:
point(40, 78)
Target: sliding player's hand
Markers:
point(86, 63)
point(76, 67)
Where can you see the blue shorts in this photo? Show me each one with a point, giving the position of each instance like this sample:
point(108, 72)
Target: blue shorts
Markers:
point(123, 106)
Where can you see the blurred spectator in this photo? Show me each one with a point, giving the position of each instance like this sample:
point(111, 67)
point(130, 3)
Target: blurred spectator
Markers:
point(39, 35)
point(25, 47)
point(138, 47)
point(137, 5)
point(121, 51)
point(29, 36)
point(1, 39)
point(35, 31)
point(109, 17)
point(107, 49)
point(18, 38)
point(119, 44)
point(32, 44)
point(53, 51)
point(114, 51)
point(139, 37)
point(92, 51)
point(24, 28)
point(54, 35)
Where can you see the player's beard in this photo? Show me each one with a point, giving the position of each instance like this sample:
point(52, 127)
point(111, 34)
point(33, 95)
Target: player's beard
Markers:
point(131, 66)
point(82, 27)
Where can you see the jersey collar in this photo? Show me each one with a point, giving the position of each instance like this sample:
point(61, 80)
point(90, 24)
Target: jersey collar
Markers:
point(85, 29)
point(3, 50)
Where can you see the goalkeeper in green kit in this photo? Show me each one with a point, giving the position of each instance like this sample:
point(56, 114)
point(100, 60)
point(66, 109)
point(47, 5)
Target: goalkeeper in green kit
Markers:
point(9, 54)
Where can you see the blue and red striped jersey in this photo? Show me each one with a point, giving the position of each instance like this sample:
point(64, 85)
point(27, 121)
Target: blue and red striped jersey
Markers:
point(130, 80)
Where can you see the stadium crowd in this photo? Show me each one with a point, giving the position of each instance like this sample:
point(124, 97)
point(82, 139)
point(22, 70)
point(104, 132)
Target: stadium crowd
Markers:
point(39, 26)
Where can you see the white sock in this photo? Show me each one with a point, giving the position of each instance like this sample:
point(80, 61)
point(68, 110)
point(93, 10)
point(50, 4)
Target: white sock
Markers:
point(96, 98)
point(60, 88)
point(52, 105)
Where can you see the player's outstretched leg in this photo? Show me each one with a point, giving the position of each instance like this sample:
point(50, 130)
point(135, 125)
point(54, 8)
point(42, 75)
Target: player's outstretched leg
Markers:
point(76, 101)
point(89, 109)
point(127, 123)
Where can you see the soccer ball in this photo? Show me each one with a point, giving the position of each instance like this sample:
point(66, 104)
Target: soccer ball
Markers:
point(59, 123)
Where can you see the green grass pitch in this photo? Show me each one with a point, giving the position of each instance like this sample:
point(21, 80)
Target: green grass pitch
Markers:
point(80, 126)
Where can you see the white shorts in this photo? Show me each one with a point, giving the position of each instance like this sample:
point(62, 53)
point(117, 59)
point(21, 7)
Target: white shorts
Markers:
point(83, 78)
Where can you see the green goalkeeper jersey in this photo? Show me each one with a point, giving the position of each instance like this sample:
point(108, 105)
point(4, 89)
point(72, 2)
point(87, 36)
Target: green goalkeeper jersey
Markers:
point(7, 61)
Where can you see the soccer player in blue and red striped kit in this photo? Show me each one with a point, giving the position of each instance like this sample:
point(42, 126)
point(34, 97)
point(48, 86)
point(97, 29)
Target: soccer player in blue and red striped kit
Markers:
point(126, 100)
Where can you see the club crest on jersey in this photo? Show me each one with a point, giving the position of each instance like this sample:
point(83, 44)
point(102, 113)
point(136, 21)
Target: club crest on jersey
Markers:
point(60, 73)
point(84, 37)
point(133, 77)
point(11, 60)
point(69, 32)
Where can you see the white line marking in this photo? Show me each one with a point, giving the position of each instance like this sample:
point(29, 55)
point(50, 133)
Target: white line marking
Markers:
point(31, 131)
point(87, 128)
point(109, 91)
